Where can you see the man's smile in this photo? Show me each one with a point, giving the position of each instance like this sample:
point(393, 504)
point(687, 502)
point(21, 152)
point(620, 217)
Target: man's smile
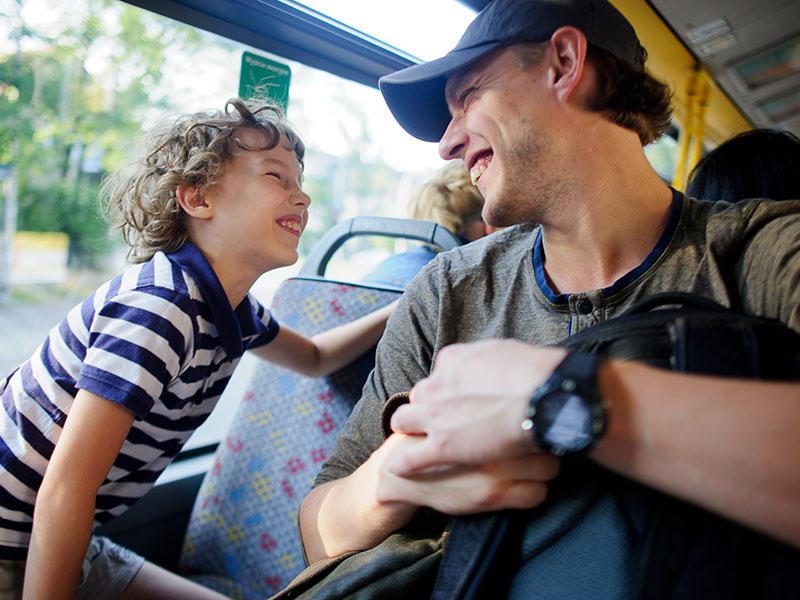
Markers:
point(480, 165)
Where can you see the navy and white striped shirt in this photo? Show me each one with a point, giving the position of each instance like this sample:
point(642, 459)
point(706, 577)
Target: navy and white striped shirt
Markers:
point(161, 339)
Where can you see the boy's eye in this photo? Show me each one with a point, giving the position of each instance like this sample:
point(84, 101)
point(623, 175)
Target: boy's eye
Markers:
point(273, 174)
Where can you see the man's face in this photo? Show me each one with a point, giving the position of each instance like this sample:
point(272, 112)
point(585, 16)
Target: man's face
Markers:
point(504, 128)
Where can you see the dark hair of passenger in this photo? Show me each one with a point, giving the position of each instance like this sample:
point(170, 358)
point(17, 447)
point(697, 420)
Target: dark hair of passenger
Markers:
point(631, 98)
point(763, 163)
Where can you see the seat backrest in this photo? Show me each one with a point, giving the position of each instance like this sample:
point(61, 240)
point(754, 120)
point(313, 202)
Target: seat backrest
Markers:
point(244, 523)
point(242, 538)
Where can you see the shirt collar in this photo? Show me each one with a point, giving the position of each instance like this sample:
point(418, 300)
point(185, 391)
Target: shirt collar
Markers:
point(231, 325)
point(630, 276)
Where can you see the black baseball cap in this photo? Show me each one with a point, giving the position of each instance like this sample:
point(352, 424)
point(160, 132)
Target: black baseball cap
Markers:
point(416, 95)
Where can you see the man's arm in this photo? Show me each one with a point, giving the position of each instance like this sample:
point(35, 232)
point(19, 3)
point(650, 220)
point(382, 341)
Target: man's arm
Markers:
point(727, 445)
point(359, 502)
point(362, 509)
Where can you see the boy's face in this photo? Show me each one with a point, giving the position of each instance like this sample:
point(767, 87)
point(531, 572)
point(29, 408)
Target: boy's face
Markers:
point(261, 209)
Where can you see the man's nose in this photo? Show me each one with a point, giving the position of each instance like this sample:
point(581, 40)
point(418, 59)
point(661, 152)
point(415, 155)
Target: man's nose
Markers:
point(454, 140)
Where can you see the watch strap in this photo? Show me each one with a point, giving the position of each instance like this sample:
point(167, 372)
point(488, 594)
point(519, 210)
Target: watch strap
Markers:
point(580, 366)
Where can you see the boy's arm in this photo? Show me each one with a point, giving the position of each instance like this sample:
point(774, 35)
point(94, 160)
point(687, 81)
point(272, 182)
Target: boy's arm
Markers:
point(64, 512)
point(329, 351)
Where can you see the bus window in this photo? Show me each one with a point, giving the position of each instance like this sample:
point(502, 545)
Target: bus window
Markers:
point(79, 80)
point(422, 29)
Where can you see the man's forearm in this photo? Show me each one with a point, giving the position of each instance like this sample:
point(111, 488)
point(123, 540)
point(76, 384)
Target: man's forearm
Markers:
point(344, 515)
point(360, 511)
point(727, 445)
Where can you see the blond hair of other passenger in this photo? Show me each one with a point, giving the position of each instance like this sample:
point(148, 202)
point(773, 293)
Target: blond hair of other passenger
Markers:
point(450, 200)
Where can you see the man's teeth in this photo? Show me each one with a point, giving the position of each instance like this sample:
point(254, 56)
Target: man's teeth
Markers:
point(477, 170)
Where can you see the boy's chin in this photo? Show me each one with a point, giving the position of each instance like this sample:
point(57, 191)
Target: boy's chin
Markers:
point(288, 261)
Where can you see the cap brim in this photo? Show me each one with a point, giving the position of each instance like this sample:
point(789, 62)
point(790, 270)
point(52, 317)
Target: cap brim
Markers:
point(416, 95)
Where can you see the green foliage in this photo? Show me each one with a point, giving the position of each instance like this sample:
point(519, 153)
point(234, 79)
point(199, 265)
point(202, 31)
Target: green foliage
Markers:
point(62, 126)
point(75, 97)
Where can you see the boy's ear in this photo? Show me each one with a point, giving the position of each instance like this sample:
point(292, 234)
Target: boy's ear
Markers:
point(193, 202)
point(569, 59)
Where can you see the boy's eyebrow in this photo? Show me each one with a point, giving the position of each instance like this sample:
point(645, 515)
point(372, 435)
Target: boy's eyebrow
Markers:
point(271, 159)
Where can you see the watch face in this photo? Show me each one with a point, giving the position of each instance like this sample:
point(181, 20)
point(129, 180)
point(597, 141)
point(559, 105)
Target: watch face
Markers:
point(564, 421)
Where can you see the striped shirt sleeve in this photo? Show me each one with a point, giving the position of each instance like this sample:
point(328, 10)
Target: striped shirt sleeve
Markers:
point(138, 341)
point(266, 326)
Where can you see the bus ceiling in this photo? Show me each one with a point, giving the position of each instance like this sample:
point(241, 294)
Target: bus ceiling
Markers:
point(733, 65)
point(748, 52)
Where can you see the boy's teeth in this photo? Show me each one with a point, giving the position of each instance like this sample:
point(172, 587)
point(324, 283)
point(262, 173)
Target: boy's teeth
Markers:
point(477, 170)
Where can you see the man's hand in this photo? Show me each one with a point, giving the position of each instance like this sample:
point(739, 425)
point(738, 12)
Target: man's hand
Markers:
point(471, 407)
point(519, 482)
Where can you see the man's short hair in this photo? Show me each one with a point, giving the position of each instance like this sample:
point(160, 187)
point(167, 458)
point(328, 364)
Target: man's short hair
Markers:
point(629, 97)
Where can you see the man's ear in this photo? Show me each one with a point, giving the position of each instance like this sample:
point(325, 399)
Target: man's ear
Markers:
point(569, 47)
point(193, 202)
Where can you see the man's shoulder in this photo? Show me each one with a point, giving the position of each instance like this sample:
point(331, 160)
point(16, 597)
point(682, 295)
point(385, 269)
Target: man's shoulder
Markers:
point(505, 247)
point(744, 219)
point(744, 211)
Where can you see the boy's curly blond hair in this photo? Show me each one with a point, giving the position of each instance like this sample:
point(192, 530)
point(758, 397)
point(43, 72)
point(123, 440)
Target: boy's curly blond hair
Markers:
point(448, 199)
point(189, 151)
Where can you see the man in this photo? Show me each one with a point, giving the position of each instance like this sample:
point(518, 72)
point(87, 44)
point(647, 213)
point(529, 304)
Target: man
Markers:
point(548, 104)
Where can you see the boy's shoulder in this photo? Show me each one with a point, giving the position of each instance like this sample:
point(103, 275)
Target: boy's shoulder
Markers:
point(158, 277)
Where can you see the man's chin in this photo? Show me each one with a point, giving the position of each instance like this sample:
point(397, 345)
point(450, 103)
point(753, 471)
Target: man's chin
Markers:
point(501, 214)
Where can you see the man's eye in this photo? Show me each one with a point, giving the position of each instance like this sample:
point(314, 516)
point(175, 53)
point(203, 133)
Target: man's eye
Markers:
point(465, 94)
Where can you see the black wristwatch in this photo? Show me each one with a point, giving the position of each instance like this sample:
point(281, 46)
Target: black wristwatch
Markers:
point(567, 414)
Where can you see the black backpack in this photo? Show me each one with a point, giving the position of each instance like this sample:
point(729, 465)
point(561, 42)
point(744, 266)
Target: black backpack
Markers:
point(697, 335)
point(683, 551)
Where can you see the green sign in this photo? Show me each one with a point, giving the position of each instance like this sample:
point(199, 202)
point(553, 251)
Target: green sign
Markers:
point(264, 79)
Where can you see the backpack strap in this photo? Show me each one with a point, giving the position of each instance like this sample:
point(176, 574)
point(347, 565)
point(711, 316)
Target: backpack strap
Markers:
point(683, 299)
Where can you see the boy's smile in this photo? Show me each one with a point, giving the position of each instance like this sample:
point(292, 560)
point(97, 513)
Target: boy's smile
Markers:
point(291, 223)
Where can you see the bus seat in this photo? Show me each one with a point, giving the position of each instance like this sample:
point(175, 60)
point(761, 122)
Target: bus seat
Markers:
point(242, 538)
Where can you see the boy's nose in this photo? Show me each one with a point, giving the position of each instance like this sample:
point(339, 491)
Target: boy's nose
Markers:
point(300, 198)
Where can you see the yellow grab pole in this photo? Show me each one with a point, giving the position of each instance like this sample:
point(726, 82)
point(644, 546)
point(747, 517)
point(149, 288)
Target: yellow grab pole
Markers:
point(700, 127)
point(679, 179)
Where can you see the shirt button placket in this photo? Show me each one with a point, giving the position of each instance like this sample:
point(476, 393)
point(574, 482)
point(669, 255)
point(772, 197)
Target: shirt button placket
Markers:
point(584, 306)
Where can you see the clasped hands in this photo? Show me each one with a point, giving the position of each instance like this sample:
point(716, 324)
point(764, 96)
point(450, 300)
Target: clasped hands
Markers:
point(458, 446)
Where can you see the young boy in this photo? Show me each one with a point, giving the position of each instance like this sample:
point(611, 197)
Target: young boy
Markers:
point(106, 402)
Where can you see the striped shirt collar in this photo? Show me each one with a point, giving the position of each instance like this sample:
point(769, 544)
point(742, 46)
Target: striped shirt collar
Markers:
point(231, 325)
